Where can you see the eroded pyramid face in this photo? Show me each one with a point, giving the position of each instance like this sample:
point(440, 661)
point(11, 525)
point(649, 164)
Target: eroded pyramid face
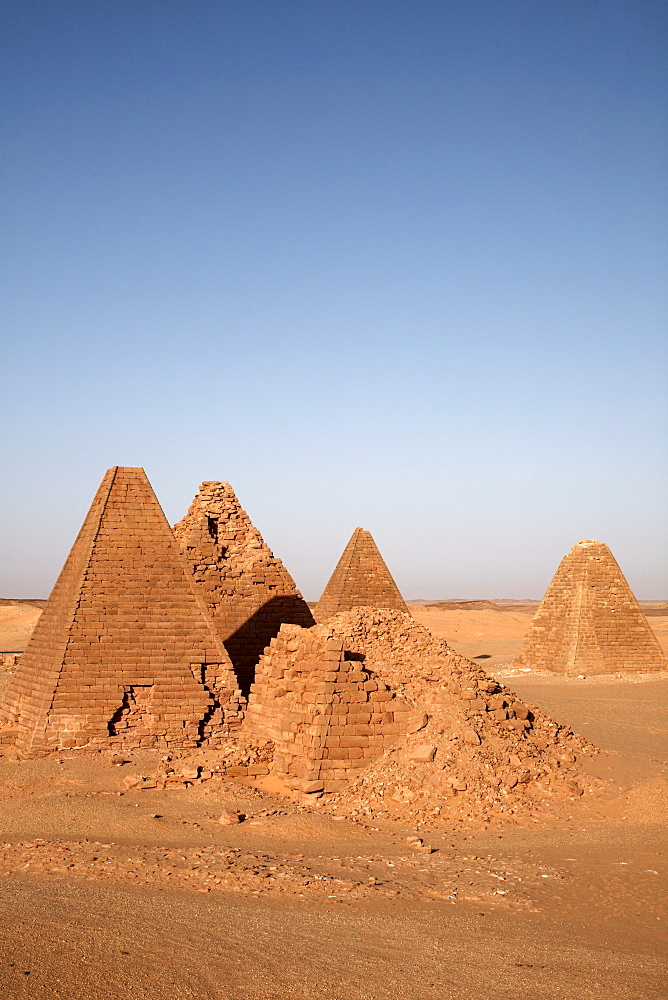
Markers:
point(589, 620)
point(247, 590)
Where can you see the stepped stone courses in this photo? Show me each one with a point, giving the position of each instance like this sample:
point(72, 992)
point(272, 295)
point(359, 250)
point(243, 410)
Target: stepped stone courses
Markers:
point(248, 591)
point(327, 715)
point(589, 621)
point(124, 652)
point(361, 579)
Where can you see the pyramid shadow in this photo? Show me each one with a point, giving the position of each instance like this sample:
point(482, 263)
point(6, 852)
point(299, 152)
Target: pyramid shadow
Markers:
point(247, 644)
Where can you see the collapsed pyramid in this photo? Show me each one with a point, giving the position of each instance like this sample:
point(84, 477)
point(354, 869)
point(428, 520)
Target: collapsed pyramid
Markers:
point(248, 591)
point(124, 651)
point(361, 580)
point(589, 621)
point(325, 713)
point(370, 708)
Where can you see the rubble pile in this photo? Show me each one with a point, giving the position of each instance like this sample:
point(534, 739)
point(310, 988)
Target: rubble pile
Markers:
point(181, 769)
point(474, 750)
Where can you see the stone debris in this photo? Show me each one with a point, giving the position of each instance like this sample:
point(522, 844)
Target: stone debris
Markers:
point(229, 760)
point(118, 759)
point(248, 591)
point(411, 876)
point(361, 579)
point(482, 755)
point(124, 652)
point(589, 621)
point(230, 818)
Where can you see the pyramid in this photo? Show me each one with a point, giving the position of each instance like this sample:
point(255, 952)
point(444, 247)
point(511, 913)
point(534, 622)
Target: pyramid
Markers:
point(247, 590)
point(124, 652)
point(473, 751)
point(361, 580)
point(589, 621)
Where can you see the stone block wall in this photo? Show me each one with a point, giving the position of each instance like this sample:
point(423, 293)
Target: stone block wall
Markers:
point(327, 715)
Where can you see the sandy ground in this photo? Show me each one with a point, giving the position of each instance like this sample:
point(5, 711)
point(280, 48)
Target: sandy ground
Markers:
point(108, 893)
point(17, 622)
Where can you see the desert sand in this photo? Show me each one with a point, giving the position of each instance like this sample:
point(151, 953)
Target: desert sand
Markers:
point(17, 621)
point(109, 891)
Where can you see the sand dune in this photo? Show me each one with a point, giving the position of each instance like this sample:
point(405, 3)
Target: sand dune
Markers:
point(17, 622)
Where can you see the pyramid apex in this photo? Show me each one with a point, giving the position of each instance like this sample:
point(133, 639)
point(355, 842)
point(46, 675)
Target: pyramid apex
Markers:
point(361, 579)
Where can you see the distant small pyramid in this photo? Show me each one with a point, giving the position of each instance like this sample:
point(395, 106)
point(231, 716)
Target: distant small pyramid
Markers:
point(248, 591)
point(361, 580)
point(124, 651)
point(589, 621)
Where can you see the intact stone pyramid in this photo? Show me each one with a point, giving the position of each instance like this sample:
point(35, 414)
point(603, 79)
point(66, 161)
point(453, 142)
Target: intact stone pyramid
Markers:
point(124, 651)
point(589, 621)
point(248, 591)
point(361, 580)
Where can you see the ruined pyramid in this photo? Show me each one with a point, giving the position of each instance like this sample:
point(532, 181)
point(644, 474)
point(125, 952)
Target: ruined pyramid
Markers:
point(247, 590)
point(589, 621)
point(361, 579)
point(124, 652)
point(370, 708)
point(472, 749)
point(325, 714)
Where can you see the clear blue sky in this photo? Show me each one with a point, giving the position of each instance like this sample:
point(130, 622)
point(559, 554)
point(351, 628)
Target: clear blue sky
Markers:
point(392, 264)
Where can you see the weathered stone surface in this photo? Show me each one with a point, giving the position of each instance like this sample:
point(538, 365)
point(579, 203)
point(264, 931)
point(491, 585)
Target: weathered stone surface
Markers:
point(326, 717)
point(589, 621)
point(423, 753)
point(248, 591)
point(361, 580)
point(124, 653)
point(229, 819)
